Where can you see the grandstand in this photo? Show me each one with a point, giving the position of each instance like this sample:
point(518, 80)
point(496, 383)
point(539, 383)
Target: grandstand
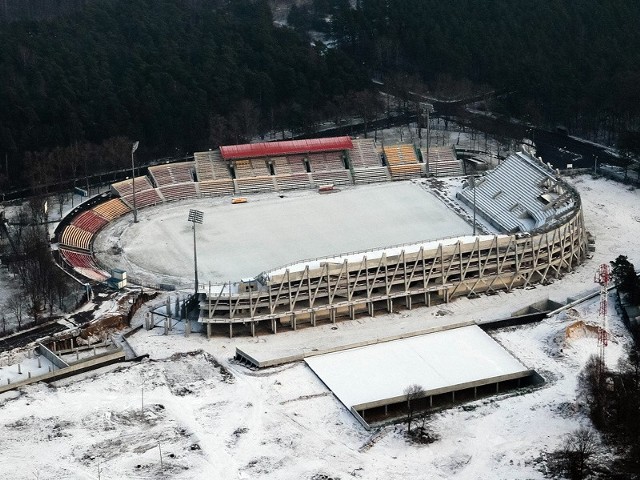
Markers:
point(89, 221)
point(366, 164)
point(76, 237)
point(111, 209)
point(442, 162)
point(210, 166)
point(215, 188)
point(520, 195)
point(179, 191)
point(172, 173)
point(402, 161)
point(125, 187)
point(84, 264)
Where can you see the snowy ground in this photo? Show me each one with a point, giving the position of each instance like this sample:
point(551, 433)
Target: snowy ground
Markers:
point(224, 421)
point(240, 241)
point(211, 418)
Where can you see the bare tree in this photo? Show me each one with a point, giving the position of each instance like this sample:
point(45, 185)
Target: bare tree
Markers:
point(577, 451)
point(412, 393)
point(219, 131)
point(367, 105)
point(245, 120)
point(592, 382)
point(16, 305)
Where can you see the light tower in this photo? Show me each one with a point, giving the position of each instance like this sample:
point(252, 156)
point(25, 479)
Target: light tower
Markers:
point(195, 216)
point(133, 181)
point(602, 277)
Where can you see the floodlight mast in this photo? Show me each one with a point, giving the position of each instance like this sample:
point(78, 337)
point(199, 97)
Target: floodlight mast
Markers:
point(133, 182)
point(195, 216)
point(472, 184)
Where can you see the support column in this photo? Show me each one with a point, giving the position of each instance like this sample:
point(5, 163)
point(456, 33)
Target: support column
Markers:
point(427, 298)
point(370, 308)
point(407, 300)
point(273, 326)
point(453, 396)
point(430, 401)
point(208, 330)
point(312, 316)
point(332, 314)
point(293, 321)
point(352, 312)
point(497, 387)
point(230, 330)
point(386, 409)
point(475, 392)
point(390, 305)
point(253, 329)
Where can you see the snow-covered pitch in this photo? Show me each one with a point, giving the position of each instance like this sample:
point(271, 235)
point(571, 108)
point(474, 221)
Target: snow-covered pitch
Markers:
point(271, 230)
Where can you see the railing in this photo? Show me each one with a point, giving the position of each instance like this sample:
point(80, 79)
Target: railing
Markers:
point(363, 252)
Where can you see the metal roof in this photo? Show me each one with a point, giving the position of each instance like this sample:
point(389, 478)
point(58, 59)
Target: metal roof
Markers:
point(288, 147)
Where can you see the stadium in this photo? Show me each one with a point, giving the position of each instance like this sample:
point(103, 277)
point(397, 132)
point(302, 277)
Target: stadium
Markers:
point(304, 204)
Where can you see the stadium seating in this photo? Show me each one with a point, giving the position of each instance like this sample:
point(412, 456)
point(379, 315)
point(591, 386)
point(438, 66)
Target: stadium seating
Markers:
point(111, 209)
point(442, 162)
point(399, 172)
point(144, 198)
point(338, 177)
point(296, 163)
point(364, 154)
point(204, 166)
point(89, 221)
point(326, 162)
point(371, 175)
point(125, 187)
point(255, 184)
point(215, 188)
point(243, 169)
point(366, 164)
point(259, 167)
point(281, 166)
point(211, 166)
point(172, 173)
point(509, 196)
point(402, 161)
point(84, 264)
point(293, 181)
point(179, 191)
point(73, 236)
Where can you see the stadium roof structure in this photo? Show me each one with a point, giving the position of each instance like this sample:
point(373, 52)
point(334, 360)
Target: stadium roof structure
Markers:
point(288, 147)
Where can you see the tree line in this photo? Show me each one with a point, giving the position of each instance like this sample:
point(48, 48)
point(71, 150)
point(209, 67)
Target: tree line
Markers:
point(570, 63)
point(189, 75)
point(178, 76)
